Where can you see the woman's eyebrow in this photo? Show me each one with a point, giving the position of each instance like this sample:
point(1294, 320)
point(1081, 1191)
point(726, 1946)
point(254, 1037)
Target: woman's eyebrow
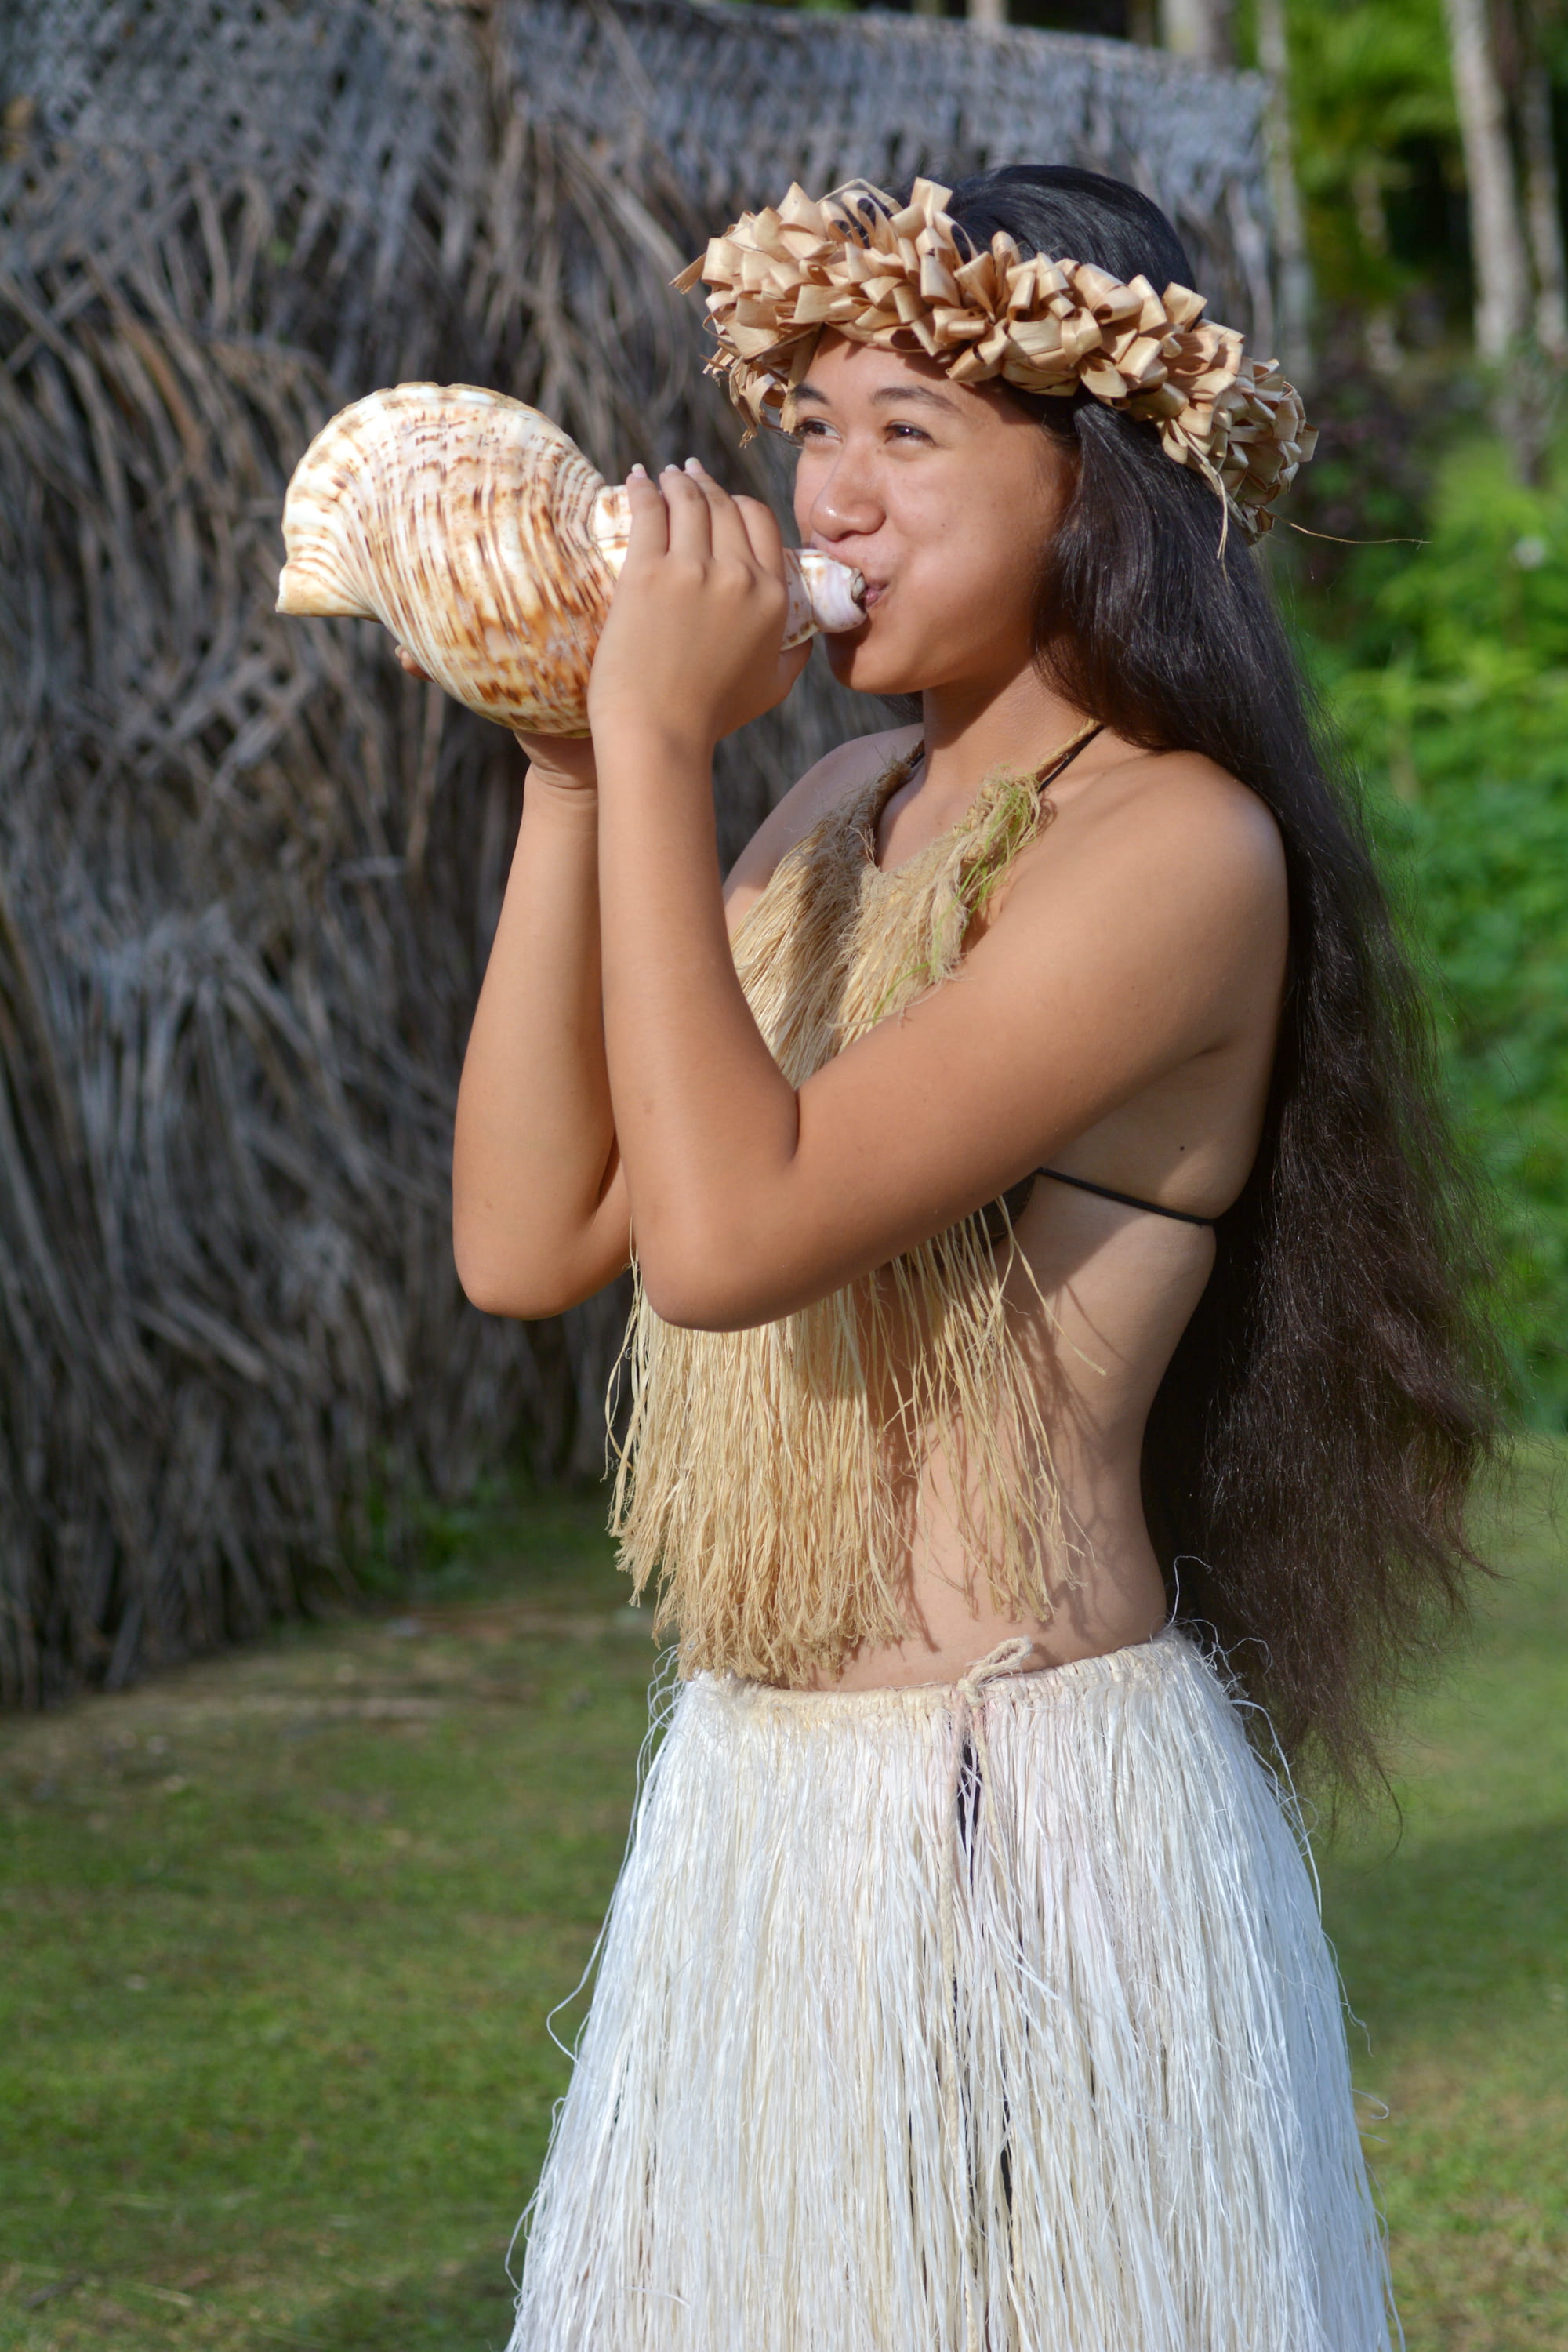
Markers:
point(890, 393)
point(886, 398)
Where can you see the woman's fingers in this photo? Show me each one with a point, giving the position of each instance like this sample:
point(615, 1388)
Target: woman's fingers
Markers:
point(725, 521)
point(701, 519)
point(691, 517)
point(741, 528)
point(693, 638)
point(762, 534)
point(649, 533)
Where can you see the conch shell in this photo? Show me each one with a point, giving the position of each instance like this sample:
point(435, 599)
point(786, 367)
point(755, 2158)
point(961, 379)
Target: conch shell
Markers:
point(477, 531)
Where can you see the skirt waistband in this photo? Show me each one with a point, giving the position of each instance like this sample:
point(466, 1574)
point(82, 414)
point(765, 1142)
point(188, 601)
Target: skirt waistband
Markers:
point(1136, 1664)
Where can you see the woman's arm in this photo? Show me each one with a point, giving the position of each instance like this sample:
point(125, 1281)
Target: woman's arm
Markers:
point(540, 1210)
point(1149, 943)
point(540, 1217)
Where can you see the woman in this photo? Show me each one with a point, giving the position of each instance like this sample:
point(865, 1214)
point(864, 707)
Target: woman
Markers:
point(1050, 1337)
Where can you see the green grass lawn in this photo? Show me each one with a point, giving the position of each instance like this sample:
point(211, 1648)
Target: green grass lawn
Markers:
point(1452, 1929)
point(282, 1933)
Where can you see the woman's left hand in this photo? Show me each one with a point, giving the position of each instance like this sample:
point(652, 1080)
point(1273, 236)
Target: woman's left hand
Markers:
point(691, 649)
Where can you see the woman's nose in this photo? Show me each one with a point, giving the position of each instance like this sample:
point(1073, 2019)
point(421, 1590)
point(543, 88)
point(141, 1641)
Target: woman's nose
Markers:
point(846, 505)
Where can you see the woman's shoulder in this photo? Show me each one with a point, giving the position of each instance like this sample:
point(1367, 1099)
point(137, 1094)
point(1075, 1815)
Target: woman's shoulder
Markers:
point(1156, 845)
point(847, 769)
point(1177, 810)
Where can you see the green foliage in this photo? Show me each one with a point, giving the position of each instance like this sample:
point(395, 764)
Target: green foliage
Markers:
point(1449, 674)
point(1373, 100)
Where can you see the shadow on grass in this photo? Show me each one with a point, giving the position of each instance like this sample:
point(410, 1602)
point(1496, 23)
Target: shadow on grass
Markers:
point(1470, 1931)
point(466, 2309)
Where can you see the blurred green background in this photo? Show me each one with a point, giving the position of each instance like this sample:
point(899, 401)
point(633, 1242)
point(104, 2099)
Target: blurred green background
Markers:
point(1447, 673)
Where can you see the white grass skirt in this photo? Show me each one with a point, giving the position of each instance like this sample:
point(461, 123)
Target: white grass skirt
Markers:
point(996, 2018)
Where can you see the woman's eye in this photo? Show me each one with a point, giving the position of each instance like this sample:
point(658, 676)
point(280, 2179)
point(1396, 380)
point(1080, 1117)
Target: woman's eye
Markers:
point(817, 428)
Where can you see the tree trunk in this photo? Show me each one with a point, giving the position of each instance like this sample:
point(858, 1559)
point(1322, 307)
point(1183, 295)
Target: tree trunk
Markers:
point(1496, 235)
point(988, 12)
point(1199, 29)
point(1285, 195)
point(1542, 207)
point(1380, 334)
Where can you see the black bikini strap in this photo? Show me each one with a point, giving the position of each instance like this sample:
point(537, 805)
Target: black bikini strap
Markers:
point(1042, 781)
point(1044, 778)
point(1047, 776)
point(1128, 1200)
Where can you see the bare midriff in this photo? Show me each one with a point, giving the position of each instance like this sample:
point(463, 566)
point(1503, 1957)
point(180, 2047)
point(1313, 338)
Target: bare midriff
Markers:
point(1112, 1291)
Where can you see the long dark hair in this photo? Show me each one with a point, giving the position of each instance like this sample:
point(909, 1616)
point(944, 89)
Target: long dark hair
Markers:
point(1310, 1452)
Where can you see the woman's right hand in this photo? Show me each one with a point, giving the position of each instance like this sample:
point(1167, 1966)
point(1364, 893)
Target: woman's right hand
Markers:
point(556, 760)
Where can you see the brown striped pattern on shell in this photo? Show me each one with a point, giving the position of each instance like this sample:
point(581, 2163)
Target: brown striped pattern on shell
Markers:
point(458, 519)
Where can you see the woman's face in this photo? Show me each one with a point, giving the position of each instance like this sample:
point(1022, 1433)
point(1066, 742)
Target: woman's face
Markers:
point(943, 495)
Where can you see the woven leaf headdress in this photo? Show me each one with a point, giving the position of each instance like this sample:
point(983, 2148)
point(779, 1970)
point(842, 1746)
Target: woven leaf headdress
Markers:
point(904, 278)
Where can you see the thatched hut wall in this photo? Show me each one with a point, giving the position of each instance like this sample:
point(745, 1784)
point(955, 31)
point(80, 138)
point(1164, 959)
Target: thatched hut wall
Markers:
point(247, 870)
point(738, 102)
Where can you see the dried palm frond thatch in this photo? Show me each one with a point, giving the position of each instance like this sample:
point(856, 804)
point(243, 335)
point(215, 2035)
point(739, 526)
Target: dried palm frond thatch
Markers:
point(247, 870)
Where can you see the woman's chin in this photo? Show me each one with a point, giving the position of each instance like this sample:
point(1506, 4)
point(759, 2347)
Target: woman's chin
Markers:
point(864, 667)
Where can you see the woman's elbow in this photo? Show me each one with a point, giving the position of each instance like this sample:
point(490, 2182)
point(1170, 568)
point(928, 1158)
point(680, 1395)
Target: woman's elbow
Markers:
point(493, 1292)
point(497, 1285)
point(705, 1286)
point(688, 1306)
